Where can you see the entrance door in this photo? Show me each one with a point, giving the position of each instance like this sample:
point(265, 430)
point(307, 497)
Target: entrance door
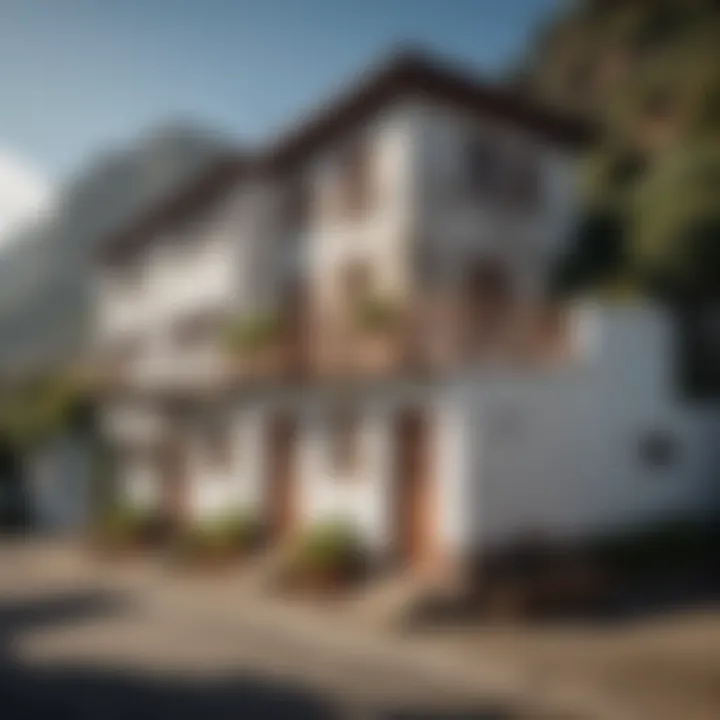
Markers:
point(282, 447)
point(415, 512)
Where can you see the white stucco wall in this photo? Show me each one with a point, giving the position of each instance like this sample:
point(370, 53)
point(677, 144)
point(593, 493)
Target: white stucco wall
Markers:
point(558, 453)
point(215, 490)
point(379, 237)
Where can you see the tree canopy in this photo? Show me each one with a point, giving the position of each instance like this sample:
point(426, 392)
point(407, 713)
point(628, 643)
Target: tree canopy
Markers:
point(648, 75)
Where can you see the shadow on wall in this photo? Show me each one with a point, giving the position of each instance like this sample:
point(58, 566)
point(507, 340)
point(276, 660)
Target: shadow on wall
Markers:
point(83, 692)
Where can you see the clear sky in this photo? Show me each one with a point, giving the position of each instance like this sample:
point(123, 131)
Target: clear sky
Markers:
point(79, 75)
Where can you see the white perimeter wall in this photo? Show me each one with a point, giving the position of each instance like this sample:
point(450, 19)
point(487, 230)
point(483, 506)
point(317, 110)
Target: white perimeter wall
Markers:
point(558, 453)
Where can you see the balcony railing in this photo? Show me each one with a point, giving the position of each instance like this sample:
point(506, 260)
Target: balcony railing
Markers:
point(431, 334)
point(428, 335)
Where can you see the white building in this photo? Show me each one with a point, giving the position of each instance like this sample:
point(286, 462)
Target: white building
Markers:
point(415, 383)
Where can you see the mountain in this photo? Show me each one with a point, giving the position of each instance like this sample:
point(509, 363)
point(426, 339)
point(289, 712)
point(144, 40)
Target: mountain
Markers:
point(45, 272)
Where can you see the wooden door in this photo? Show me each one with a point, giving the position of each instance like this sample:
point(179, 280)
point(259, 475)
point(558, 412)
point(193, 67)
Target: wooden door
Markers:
point(416, 522)
point(282, 476)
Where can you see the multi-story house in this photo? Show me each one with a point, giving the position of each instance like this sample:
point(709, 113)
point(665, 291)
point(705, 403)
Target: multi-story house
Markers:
point(352, 324)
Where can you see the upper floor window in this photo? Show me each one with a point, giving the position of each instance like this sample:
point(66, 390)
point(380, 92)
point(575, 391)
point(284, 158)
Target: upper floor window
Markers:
point(524, 180)
point(496, 173)
point(296, 205)
point(354, 175)
point(484, 166)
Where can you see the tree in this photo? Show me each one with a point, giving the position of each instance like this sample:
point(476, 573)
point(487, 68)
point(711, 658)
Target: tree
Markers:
point(648, 75)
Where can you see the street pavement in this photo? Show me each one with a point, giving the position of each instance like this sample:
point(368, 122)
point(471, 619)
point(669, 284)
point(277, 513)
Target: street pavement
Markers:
point(81, 638)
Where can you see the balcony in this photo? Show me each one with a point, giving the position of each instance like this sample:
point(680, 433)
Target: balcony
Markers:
point(265, 346)
point(433, 333)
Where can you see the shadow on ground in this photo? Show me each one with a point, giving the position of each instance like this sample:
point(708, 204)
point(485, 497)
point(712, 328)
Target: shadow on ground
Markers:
point(86, 693)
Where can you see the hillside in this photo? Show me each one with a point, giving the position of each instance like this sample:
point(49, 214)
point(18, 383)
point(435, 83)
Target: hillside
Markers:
point(647, 74)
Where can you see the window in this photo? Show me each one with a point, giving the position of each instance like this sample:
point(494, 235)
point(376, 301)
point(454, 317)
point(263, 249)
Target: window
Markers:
point(484, 165)
point(344, 445)
point(296, 205)
point(524, 181)
point(505, 423)
point(355, 179)
point(657, 449)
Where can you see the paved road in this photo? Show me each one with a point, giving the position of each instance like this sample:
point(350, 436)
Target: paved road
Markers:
point(81, 642)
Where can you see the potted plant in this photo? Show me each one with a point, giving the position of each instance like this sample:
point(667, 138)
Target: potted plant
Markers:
point(220, 540)
point(255, 339)
point(127, 529)
point(378, 320)
point(326, 557)
point(377, 315)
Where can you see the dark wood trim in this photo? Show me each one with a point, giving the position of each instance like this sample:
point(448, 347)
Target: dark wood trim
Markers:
point(405, 74)
point(194, 194)
point(412, 73)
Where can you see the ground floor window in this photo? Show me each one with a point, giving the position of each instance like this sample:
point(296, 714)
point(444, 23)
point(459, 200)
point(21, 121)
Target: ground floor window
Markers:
point(344, 441)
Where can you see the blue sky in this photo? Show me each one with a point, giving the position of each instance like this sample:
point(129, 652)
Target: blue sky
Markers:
point(79, 75)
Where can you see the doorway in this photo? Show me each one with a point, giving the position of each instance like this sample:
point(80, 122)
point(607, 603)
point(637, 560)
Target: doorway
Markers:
point(416, 517)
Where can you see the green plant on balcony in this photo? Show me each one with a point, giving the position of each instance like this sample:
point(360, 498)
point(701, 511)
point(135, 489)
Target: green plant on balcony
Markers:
point(253, 334)
point(376, 315)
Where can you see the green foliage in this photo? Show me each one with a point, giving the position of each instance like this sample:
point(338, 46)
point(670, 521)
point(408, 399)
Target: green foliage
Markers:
point(596, 255)
point(37, 408)
point(221, 537)
point(648, 75)
point(376, 315)
point(330, 547)
point(676, 217)
point(129, 526)
point(254, 333)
